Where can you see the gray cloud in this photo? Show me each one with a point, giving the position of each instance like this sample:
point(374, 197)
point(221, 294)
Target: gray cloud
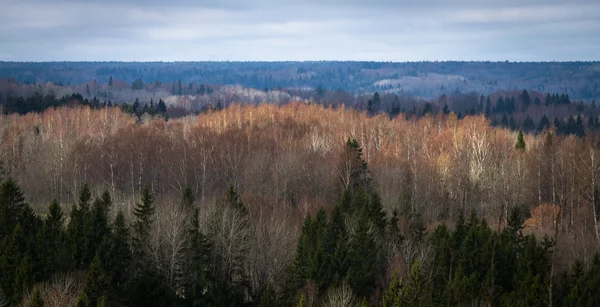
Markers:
point(388, 30)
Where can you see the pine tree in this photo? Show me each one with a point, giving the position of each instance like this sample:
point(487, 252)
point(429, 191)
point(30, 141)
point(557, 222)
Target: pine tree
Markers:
point(520, 145)
point(110, 81)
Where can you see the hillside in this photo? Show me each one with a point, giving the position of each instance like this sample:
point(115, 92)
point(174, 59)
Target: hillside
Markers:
point(420, 79)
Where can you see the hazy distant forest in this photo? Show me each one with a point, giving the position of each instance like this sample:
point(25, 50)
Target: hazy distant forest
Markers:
point(242, 184)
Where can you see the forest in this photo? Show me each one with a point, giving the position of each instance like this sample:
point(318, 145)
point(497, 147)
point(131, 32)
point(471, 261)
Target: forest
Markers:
point(301, 204)
point(420, 79)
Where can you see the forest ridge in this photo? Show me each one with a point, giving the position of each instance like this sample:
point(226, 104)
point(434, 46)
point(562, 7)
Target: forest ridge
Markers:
point(426, 80)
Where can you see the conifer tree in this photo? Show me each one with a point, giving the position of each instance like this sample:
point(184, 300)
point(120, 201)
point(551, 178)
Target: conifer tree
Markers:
point(301, 301)
point(96, 283)
point(336, 250)
point(36, 299)
point(233, 200)
point(98, 228)
point(80, 227)
point(12, 203)
point(520, 145)
point(12, 251)
point(144, 216)
point(200, 263)
point(119, 259)
point(55, 241)
point(365, 263)
point(187, 197)
point(353, 169)
point(392, 297)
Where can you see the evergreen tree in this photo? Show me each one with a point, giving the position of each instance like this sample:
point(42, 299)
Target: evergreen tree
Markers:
point(488, 107)
point(187, 197)
point(161, 107)
point(354, 173)
point(144, 216)
point(13, 252)
point(511, 122)
point(579, 129)
point(198, 291)
point(96, 282)
point(416, 227)
point(392, 296)
point(525, 100)
point(36, 299)
point(55, 241)
point(79, 229)
point(12, 204)
point(528, 124)
point(544, 123)
point(110, 81)
point(446, 110)
point(520, 145)
point(119, 256)
point(504, 121)
point(365, 263)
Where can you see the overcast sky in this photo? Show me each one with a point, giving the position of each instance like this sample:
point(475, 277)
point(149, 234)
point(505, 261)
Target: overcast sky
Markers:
point(379, 30)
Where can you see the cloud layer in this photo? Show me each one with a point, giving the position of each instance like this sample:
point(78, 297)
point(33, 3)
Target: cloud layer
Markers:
point(379, 30)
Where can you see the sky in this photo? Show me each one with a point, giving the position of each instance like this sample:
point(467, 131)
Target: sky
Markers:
point(281, 30)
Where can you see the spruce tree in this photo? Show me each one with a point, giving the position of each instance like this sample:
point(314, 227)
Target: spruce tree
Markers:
point(365, 263)
point(200, 263)
point(36, 299)
point(119, 257)
point(12, 250)
point(392, 297)
point(520, 145)
point(353, 170)
point(58, 257)
point(12, 203)
point(187, 197)
point(79, 228)
point(144, 216)
point(96, 283)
